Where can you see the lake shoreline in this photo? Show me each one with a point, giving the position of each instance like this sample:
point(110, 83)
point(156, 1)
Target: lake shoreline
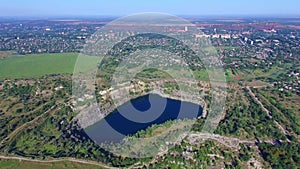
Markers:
point(88, 117)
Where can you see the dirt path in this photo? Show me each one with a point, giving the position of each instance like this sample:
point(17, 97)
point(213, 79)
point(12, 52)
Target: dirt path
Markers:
point(230, 142)
point(56, 160)
point(31, 123)
point(196, 138)
point(24, 126)
point(266, 110)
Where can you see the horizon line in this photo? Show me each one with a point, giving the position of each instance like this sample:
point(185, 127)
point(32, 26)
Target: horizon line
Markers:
point(211, 16)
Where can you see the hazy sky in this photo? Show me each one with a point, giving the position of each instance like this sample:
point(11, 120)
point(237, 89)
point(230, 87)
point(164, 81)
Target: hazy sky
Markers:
point(125, 7)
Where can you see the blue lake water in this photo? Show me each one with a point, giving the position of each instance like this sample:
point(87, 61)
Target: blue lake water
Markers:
point(139, 114)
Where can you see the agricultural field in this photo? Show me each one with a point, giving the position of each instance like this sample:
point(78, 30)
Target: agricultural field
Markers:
point(36, 65)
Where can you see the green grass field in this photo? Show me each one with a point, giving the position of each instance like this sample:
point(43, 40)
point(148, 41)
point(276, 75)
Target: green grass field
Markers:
point(40, 64)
